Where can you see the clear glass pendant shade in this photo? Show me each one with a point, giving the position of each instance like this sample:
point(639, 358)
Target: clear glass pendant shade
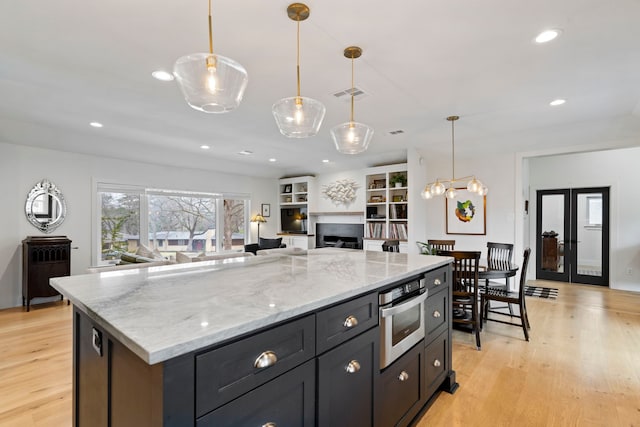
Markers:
point(211, 83)
point(351, 137)
point(438, 188)
point(450, 193)
point(474, 186)
point(298, 117)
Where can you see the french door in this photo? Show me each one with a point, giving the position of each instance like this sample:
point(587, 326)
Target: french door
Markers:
point(572, 229)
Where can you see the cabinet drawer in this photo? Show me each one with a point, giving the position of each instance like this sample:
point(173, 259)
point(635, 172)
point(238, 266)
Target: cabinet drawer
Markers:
point(230, 371)
point(436, 279)
point(436, 315)
point(288, 400)
point(337, 324)
point(401, 391)
point(436, 363)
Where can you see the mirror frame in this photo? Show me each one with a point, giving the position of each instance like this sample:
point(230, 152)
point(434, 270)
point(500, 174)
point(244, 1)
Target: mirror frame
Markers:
point(49, 189)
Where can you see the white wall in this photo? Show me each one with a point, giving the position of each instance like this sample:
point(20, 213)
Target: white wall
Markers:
point(21, 167)
point(617, 169)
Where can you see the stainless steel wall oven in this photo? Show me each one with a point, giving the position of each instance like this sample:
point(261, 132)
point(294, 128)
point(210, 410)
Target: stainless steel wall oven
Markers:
point(401, 319)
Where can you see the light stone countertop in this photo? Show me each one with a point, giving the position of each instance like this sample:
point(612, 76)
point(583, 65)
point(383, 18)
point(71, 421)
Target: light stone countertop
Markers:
point(167, 311)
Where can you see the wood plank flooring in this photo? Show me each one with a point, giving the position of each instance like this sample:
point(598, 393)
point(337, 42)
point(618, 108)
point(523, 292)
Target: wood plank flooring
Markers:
point(581, 367)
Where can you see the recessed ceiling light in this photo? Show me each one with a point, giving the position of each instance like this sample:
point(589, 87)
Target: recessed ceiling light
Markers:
point(272, 159)
point(547, 36)
point(557, 102)
point(205, 147)
point(325, 161)
point(162, 75)
point(96, 124)
point(245, 152)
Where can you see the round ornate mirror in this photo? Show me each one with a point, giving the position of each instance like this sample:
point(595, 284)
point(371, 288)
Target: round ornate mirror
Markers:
point(45, 207)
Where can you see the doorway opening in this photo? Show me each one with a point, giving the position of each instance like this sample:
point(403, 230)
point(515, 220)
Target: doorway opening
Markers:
point(572, 235)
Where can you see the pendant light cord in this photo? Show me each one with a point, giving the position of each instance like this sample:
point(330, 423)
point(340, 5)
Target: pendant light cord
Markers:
point(453, 157)
point(210, 31)
point(298, 59)
point(352, 86)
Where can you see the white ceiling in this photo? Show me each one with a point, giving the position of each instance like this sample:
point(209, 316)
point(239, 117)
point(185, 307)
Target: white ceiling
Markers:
point(66, 63)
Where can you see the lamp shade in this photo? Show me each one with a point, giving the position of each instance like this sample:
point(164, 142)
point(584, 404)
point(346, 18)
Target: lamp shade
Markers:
point(298, 116)
point(351, 137)
point(211, 83)
point(258, 218)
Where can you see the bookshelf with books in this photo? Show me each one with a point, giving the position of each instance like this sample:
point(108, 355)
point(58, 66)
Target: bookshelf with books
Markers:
point(386, 206)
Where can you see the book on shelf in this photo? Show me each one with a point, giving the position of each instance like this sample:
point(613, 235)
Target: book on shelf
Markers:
point(375, 230)
point(398, 231)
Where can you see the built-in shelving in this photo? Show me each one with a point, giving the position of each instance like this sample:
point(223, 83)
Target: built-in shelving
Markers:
point(387, 205)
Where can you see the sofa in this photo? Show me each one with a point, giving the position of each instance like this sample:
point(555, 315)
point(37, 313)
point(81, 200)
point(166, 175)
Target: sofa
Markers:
point(264, 244)
point(145, 258)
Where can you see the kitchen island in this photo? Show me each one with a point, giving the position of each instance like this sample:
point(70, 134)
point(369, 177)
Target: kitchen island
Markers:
point(170, 345)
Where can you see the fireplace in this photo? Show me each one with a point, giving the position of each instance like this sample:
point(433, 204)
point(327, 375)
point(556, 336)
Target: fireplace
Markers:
point(339, 235)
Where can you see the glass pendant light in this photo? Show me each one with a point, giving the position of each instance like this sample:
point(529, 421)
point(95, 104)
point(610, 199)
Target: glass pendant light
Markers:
point(439, 188)
point(298, 116)
point(352, 137)
point(210, 83)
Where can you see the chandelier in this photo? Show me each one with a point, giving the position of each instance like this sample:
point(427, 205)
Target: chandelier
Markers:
point(448, 186)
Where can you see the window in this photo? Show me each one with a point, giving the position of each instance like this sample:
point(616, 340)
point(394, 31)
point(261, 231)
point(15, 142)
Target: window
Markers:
point(168, 221)
point(594, 211)
point(185, 222)
point(120, 223)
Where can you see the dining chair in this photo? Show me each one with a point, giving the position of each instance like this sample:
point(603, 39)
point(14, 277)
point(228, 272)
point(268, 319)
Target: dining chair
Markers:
point(496, 254)
point(509, 297)
point(442, 245)
point(465, 284)
point(391, 246)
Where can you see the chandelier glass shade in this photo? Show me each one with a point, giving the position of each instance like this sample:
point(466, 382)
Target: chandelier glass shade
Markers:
point(298, 116)
point(210, 83)
point(352, 137)
point(447, 187)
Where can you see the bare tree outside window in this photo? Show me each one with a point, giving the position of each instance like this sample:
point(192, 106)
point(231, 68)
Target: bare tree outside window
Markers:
point(233, 224)
point(120, 223)
point(181, 218)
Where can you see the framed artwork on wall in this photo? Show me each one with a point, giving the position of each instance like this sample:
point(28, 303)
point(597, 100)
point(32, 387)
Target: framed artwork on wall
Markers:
point(466, 213)
point(266, 210)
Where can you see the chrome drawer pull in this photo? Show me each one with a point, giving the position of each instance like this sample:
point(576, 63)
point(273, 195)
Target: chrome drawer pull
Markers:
point(437, 282)
point(350, 322)
point(436, 314)
point(403, 376)
point(269, 425)
point(436, 363)
point(353, 367)
point(266, 359)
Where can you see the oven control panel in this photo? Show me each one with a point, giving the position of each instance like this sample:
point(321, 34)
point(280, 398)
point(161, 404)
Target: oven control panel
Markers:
point(402, 291)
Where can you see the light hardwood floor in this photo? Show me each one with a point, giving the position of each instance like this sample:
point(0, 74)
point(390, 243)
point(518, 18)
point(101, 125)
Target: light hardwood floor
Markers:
point(581, 367)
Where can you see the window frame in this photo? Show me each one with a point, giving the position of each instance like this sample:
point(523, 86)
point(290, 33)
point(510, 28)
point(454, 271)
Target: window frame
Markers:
point(144, 192)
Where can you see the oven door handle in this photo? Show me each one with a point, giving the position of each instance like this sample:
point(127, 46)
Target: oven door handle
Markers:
point(386, 312)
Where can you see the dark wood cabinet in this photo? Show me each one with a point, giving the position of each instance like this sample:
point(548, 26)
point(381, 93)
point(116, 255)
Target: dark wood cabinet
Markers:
point(43, 257)
point(288, 400)
point(401, 389)
point(346, 378)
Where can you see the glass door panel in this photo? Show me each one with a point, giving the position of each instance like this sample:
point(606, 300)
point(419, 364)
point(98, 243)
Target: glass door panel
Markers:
point(552, 234)
point(590, 224)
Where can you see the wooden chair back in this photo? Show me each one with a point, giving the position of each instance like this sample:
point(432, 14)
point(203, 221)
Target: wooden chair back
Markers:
point(442, 245)
point(497, 252)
